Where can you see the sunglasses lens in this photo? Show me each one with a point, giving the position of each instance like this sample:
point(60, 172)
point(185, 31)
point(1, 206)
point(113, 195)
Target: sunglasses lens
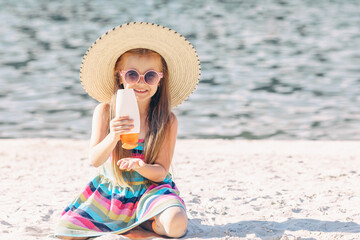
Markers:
point(151, 77)
point(131, 76)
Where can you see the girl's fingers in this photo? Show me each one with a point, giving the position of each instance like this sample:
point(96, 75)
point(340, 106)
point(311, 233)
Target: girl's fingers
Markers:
point(122, 164)
point(123, 160)
point(130, 166)
point(125, 117)
point(137, 163)
point(141, 163)
point(121, 130)
point(125, 127)
point(121, 127)
point(117, 121)
point(130, 163)
point(122, 121)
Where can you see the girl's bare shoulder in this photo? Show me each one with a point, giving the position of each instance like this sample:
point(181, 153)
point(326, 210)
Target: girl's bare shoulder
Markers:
point(173, 119)
point(102, 108)
point(102, 112)
point(100, 124)
point(173, 124)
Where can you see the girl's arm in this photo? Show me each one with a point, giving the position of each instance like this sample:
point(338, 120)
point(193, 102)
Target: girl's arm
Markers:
point(102, 143)
point(158, 171)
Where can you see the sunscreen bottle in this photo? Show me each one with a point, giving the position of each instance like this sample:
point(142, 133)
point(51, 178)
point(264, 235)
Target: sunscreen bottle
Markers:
point(126, 104)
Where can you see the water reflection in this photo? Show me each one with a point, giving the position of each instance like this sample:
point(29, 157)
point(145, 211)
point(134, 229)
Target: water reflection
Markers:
point(274, 69)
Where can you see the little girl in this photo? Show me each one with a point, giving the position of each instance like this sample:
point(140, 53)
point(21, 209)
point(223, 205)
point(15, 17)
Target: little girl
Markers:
point(134, 187)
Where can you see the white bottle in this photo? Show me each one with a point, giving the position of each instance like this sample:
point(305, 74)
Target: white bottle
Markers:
point(126, 104)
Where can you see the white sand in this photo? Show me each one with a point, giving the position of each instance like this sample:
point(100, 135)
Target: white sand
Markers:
point(233, 189)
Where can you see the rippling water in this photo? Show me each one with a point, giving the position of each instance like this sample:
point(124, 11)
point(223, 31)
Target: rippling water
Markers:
point(270, 69)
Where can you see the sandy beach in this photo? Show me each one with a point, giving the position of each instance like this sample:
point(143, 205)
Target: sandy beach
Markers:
point(232, 189)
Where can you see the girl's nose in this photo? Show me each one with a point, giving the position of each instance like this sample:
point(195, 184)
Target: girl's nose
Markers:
point(141, 79)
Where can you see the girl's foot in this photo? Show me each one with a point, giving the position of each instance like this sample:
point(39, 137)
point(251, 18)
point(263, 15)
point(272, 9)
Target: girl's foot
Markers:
point(140, 233)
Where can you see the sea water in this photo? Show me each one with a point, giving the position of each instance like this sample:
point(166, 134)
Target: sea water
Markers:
point(270, 69)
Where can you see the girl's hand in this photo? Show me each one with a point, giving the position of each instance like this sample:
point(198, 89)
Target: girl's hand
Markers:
point(120, 125)
point(130, 163)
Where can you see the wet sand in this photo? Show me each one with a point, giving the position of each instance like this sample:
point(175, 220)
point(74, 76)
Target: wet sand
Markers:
point(233, 189)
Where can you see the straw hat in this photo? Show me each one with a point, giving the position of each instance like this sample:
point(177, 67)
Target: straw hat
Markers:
point(97, 67)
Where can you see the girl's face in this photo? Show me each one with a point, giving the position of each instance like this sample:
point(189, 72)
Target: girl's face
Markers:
point(142, 64)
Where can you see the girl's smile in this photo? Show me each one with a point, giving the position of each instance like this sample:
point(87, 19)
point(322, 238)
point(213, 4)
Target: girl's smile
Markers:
point(140, 91)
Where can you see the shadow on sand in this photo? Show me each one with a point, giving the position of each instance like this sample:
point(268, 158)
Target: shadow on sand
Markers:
point(267, 229)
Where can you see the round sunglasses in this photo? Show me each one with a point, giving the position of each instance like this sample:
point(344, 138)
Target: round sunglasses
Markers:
point(132, 76)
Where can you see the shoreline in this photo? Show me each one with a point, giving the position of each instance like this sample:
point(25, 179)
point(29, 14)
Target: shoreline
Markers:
point(233, 189)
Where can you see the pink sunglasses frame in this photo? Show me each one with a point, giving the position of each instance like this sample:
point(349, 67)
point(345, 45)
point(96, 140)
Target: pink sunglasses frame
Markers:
point(123, 73)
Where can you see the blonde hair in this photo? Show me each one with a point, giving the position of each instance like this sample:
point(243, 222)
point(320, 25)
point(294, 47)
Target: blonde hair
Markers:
point(157, 119)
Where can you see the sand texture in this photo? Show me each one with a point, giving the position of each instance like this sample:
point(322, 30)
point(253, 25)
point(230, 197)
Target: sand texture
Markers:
point(233, 189)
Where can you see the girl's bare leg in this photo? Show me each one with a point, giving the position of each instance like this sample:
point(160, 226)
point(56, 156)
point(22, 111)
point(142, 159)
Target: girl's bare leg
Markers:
point(172, 222)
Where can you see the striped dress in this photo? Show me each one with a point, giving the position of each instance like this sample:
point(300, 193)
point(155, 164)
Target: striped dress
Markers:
point(103, 207)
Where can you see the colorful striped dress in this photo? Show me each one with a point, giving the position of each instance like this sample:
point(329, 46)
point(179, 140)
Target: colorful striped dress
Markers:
point(104, 207)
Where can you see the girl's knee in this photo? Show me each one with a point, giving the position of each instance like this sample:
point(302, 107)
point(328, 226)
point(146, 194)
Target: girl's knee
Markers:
point(175, 222)
point(177, 227)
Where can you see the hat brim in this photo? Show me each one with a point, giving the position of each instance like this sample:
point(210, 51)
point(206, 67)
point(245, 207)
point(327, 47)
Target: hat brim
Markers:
point(97, 67)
